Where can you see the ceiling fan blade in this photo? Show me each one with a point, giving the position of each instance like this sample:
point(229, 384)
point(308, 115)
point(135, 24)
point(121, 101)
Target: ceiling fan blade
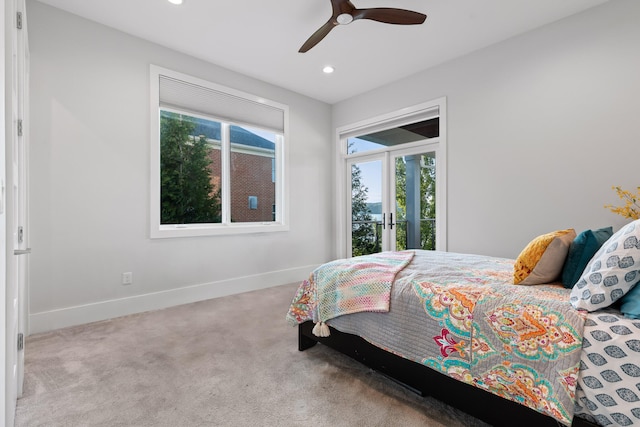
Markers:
point(390, 15)
point(318, 35)
point(342, 6)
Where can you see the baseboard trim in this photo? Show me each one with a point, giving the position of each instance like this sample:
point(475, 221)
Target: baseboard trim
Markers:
point(104, 310)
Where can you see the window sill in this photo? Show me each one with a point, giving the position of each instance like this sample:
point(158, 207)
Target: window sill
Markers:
point(171, 231)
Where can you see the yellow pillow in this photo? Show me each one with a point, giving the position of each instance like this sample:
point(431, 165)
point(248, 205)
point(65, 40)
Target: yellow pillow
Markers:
point(541, 261)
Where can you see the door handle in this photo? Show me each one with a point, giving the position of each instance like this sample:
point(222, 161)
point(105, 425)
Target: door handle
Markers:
point(383, 221)
point(22, 251)
point(391, 221)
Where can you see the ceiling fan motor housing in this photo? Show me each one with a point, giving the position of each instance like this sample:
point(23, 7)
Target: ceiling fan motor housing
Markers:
point(344, 19)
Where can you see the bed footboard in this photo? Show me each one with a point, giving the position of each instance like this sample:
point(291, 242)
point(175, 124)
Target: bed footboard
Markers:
point(425, 381)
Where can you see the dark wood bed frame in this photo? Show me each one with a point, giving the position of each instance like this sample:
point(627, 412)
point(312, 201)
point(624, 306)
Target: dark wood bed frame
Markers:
point(425, 381)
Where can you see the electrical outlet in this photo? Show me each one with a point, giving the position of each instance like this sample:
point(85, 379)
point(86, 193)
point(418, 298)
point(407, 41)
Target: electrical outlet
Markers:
point(127, 278)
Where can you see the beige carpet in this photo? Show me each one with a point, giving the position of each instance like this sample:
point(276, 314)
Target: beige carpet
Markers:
point(230, 361)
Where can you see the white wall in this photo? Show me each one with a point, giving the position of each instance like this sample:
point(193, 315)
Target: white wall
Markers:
point(539, 128)
point(90, 183)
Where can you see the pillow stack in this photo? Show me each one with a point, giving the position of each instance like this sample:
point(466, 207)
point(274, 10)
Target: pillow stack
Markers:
point(601, 268)
point(611, 274)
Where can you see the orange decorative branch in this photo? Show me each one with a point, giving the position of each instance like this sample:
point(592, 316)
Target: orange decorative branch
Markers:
point(631, 208)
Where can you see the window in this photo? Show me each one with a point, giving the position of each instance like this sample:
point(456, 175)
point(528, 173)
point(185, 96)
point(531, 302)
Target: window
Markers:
point(212, 149)
point(253, 202)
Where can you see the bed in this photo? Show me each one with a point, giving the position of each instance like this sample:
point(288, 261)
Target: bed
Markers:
point(454, 326)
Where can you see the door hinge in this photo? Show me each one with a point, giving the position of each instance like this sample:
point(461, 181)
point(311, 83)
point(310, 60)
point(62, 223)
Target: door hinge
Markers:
point(19, 127)
point(20, 341)
point(19, 20)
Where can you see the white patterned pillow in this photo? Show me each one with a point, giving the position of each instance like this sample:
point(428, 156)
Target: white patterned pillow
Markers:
point(612, 271)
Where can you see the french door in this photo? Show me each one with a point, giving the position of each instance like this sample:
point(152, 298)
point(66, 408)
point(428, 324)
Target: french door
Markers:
point(392, 199)
point(391, 183)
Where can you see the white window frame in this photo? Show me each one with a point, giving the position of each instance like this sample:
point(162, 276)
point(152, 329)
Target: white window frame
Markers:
point(404, 116)
point(158, 230)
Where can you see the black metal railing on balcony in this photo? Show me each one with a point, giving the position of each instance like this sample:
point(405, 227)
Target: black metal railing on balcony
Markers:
point(367, 236)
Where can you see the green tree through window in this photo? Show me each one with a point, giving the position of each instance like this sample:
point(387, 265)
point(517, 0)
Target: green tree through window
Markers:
point(186, 193)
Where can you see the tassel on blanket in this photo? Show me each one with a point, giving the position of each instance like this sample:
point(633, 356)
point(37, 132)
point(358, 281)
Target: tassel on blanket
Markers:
point(321, 330)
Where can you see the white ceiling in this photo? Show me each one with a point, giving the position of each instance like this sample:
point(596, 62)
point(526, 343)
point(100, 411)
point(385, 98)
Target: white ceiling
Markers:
point(261, 38)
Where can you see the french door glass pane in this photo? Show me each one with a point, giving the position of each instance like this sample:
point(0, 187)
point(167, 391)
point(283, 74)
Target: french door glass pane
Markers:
point(366, 208)
point(415, 213)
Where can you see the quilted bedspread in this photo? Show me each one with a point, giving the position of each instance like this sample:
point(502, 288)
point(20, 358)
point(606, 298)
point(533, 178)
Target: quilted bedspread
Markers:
point(460, 314)
point(519, 343)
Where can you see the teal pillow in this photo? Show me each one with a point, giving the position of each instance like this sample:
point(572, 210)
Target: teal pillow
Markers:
point(582, 249)
point(630, 306)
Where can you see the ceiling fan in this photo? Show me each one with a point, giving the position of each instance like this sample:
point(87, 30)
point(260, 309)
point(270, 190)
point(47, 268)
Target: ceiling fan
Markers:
point(344, 12)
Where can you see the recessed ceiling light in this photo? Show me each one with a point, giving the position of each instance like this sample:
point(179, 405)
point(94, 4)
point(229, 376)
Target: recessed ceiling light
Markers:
point(328, 69)
point(175, 1)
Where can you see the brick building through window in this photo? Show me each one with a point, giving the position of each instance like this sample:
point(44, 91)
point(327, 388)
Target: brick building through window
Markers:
point(252, 175)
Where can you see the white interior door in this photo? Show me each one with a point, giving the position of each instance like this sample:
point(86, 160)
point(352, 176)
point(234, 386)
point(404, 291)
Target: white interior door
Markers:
point(17, 205)
point(5, 118)
point(21, 211)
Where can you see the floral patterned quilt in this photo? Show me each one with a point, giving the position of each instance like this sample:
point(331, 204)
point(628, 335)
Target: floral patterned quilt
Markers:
point(520, 343)
point(460, 314)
